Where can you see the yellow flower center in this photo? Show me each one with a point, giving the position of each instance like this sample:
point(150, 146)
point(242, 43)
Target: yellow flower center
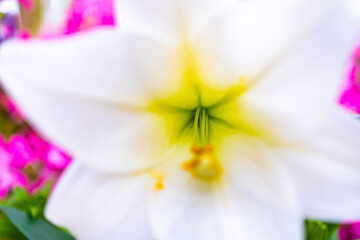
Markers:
point(200, 116)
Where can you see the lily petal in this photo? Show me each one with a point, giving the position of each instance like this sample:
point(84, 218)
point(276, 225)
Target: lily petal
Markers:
point(326, 169)
point(250, 196)
point(169, 21)
point(254, 35)
point(56, 83)
point(103, 65)
point(109, 137)
point(296, 95)
point(124, 206)
point(97, 206)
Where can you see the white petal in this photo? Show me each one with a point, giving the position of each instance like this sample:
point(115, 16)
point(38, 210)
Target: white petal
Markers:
point(296, 95)
point(102, 64)
point(254, 34)
point(108, 137)
point(171, 20)
point(252, 202)
point(95, 206)
point(353, 7)
point(78, 92)
point(326, 168)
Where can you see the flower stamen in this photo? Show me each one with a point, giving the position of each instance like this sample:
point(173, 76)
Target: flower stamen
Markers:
point(159, 176)
point(201, 126)
point(204, 164)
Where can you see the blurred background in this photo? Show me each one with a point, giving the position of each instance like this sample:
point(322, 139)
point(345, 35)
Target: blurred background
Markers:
point(30, 164)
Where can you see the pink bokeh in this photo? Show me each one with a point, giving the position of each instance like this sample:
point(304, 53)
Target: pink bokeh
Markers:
point(350, 99)
point(84, 14)
point(10, 176)
point(349, 231)
point(350, 95)
point(29, 162)
point(28, 4)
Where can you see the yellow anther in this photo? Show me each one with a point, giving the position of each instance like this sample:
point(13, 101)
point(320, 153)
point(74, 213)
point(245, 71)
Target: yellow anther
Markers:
point(159, 185)
point(204, 165)
point(190, 164)
point(159, 176)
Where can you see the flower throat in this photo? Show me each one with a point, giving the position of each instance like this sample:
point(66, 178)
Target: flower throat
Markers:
point(200, 116)
point(204, 164)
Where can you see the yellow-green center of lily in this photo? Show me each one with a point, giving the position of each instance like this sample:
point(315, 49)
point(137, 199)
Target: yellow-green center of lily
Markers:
point(200, 117)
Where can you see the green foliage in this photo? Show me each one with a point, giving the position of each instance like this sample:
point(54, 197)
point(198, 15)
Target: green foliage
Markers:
point(22, 218)
point(33, 228)
point(8, 230)
point(34, 205)
point(316, 230)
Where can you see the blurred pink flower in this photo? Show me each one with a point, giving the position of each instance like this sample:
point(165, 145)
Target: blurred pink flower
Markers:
point(78, 15)
point(28, 4)
point(25, 34)
point(10, 176)
point(56, 158)
point(29, 162)
point(53, 156)
point(20, 151)
point(47, 165)
point(350, 97)
point(349, 231)
point(84, 14)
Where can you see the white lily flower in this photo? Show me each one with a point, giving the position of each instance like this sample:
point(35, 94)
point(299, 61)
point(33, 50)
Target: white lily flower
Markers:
point(248, 86)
